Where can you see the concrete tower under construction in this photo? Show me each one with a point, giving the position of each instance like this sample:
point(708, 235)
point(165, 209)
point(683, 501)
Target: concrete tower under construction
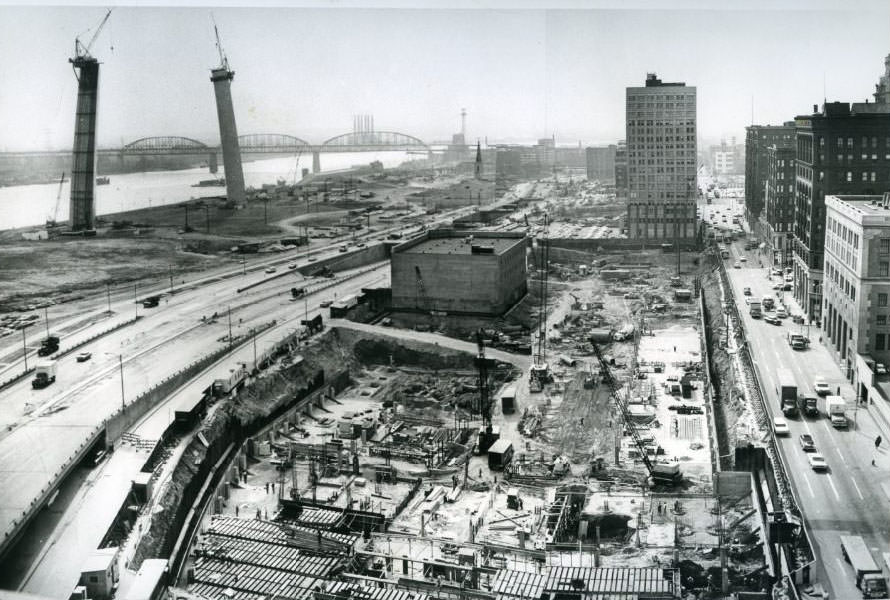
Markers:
point(228, 133)
point(82, 213)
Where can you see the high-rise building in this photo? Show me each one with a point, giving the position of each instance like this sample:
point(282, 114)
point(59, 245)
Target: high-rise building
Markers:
point(777, 217)
point(661, 160)
point(857, 284)
point(601, 163)
point(842, 150)
point(758, 138)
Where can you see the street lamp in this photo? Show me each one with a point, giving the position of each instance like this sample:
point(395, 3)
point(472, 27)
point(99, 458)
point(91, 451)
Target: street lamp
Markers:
point(120, 362)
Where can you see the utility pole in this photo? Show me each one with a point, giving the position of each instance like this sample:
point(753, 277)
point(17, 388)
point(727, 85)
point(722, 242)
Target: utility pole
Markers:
point(253, 334)
point(171, 279)
point(25, 348)
point(230, 325)
point(46, 320)
point(135, 299)
point(108, 295)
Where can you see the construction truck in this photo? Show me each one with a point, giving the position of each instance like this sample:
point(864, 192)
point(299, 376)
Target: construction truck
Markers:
point(787, 392)
point(50, 345)
point(835, 409)
point(44, 375)
point(869, 577)
point(754, 309)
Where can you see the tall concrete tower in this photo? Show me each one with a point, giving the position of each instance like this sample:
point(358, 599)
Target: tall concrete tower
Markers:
point(228, 133)
point(82, 214)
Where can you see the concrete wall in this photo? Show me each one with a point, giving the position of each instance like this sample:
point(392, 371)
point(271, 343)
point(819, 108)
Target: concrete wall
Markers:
point(350, 260)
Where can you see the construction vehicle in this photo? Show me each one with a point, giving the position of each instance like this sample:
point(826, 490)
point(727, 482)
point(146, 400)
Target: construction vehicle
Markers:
point(659, 473)
point(52, 224)
point(44, 375)
point(487, 434)
point(500, 453)
point(787, 392)
point(508, 400)
point(49, 345)
point(869, 577)
point(313, 326)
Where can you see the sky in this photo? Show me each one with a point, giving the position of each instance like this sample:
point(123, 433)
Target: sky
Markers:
point(523, 69)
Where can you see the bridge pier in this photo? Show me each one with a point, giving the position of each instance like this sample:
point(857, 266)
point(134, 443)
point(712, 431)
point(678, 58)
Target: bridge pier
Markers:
point(316, 162)
point(212, 162)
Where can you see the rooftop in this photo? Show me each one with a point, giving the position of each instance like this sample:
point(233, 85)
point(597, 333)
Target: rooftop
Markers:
point(462, 244)
point(865, 205)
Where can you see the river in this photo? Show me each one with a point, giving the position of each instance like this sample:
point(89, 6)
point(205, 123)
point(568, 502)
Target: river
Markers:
point(29, 205)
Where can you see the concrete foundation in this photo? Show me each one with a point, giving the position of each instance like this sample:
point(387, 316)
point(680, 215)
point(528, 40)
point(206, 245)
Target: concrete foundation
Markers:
point(228, 134)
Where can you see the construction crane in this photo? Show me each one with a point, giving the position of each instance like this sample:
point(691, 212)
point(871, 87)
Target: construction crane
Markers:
point(223, 60)
point(487, 435)
point(81, 50)
point(539, 372)
point(52, 223)
point(659, 473)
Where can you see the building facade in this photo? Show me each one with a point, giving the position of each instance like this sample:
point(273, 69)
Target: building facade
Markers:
point(621, 170)
point(777, 218)
point(857, 283)
point(844, 149)
point(758, 138)
point(478, 273)
point(661, 160)
point(601, 163)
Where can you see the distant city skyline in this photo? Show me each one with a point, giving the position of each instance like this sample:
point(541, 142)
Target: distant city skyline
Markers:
point(521, 73)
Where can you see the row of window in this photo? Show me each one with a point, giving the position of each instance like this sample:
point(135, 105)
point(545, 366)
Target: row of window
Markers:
point(843, 284)
point(866, 141)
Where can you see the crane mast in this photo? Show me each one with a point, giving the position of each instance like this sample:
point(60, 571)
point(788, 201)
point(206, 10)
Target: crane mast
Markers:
point(487, 435)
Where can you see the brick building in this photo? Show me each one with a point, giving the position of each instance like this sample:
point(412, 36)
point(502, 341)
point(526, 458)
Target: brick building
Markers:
point(842, 150)
point(758, 138)
point(661, 160)
point(777, 217)
point(478, 273)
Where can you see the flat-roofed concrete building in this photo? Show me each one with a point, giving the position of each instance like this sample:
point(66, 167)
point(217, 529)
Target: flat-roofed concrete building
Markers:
point(856, 289)
point(479, 273)
point(777, 218)
point(661, 160)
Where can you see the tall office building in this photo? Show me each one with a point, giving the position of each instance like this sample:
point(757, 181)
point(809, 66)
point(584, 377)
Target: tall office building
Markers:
point(661, 160)
point(844, 149)
point(759, 138)
point(777, 217)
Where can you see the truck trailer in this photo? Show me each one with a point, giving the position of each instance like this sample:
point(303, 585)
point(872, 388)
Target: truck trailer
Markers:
point(508, 400)
point(44, 375)
point(787, 392)
point(869, 577)
point(835, 409)
point(754, 309)
point(500, 454)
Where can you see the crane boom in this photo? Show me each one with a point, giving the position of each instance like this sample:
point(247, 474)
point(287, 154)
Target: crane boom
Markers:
point(223, 60)
point(83, 51)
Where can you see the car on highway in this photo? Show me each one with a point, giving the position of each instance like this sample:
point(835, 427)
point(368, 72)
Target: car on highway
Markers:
point(744, 259)
point(84, 356)
point(326, 303)
point(789, 278)
point(737, 266)
point(747, 291)
point(817, 462)
point(820, 386)
point(271, 270)
point(807, 443)
point(781, 312)
point(772, 319)
point(778, 286)
point(291, 265)
point(776, 272)
point(780, 427)
point(312, 259)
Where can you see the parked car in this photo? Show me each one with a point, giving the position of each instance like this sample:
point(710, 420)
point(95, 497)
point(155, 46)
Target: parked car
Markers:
point(747, 291)
point(780, 427)
point(817, 462)
point(880, 369)
point(84, 356)
point(820, 386)
point(807, 443)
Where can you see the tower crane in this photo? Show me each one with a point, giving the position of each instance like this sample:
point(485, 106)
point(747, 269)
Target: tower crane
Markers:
point(539, 372)
point(81, 50)
point(487, 435)
point(223, 60)
point(659, 473)
point(53, 222)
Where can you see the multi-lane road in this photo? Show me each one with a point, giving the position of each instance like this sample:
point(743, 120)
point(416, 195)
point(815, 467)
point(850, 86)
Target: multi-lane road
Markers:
point(849, 497)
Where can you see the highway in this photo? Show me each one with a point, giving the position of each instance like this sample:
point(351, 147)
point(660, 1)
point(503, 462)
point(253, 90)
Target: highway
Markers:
point(848, 498)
